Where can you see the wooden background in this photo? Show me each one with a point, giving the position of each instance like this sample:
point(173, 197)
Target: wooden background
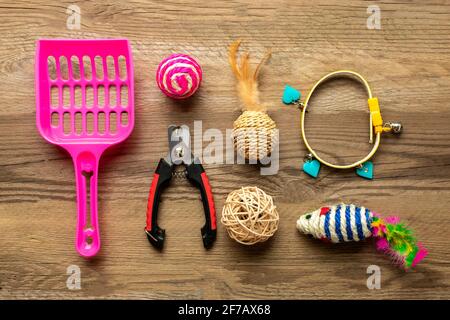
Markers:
point(407, 63)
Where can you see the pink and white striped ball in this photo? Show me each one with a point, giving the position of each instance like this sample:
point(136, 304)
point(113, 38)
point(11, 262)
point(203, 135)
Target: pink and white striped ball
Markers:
point(179, 76)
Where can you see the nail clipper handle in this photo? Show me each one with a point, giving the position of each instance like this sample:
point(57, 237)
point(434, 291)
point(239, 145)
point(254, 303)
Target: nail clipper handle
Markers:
point(161, 179)
point(197, 176)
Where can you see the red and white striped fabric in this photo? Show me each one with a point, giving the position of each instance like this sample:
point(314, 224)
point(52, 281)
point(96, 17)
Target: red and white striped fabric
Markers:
point(179, 76)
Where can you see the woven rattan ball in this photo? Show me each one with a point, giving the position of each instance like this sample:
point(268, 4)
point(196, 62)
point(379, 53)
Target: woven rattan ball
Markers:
point(250, 216)
point(254, 134)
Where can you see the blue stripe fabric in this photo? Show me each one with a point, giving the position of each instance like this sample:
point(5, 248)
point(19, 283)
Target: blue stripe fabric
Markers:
point(348, 225)
point(337, 220)
point(368, 220)
point(327, 226)
point(358, 223)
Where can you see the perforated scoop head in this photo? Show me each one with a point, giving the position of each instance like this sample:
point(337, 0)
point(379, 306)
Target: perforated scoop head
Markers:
point(85, 103)
point(84, 79)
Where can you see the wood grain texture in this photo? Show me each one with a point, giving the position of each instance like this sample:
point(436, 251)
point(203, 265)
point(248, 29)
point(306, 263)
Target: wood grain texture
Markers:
point(407, 63)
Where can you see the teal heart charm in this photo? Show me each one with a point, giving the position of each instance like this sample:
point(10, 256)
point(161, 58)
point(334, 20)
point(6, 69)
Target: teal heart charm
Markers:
point(312, 167)
point(290, 95)
point(365, 170)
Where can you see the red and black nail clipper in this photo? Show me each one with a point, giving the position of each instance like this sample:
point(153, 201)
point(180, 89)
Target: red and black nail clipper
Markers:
point(180, 154)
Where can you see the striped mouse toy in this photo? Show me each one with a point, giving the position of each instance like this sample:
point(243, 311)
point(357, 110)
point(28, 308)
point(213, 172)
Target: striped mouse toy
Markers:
point(343, 223)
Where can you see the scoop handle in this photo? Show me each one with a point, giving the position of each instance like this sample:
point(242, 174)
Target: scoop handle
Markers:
point(87, 233)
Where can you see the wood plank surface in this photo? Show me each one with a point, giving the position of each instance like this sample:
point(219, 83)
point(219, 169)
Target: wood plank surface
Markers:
point(407, 63)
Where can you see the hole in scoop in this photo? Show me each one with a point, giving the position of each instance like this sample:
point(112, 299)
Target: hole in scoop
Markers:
point(124, 96)
point(78, 123)
point(55, 119)
point(110, 67)
point(112, 96)
point(112, 122)
point(122, 67)
point(101, 96)
point(75, 67)
point(78, 98)
point(88, 225)
point(87, 67)
point(67, 123)
point(66, 97)
point(89, 122)
point(124, 118)
point(101, 122)
point(89, 96)
point(54, 96)
point(51, 67)
point(99, 67)
point(89, 240)
point(63, 68)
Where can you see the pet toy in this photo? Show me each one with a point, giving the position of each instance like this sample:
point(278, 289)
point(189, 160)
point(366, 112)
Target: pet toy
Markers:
point(254, 132)
point(364, 167)
point(179, 76)
point(250, 216)
point(343, 223)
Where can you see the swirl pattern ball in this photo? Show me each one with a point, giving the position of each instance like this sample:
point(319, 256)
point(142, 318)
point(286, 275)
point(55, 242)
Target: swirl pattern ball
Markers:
point(179, 76)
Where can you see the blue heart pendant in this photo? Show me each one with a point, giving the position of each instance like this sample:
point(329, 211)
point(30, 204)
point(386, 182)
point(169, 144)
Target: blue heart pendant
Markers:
point(312, 167)
point(366, 170)
point(290, 95)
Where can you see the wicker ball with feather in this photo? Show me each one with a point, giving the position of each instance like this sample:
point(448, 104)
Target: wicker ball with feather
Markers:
point(254, 132)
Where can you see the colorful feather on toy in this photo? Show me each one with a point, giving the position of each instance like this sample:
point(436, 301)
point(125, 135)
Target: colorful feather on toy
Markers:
point(342, 223)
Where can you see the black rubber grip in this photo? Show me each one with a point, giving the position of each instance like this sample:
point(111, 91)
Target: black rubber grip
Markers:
point(197, 176)
point(161, 179)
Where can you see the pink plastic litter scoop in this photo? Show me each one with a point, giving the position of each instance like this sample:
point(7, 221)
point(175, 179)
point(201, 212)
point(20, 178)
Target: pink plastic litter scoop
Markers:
point(85, 103)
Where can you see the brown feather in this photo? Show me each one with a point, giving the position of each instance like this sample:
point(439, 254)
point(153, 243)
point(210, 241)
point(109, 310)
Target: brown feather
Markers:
point(247, 80)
